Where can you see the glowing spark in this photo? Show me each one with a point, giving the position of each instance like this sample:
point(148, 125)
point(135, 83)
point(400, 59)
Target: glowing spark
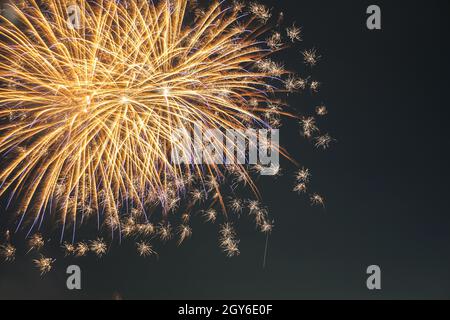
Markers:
point(294, 33)
point(210, 215)
point(315, 85)
point(69, 249)
point(238, 6)
point(99, 247)
point(237, 206)
point(81, 249)
point(165, 231)
point(267, 227)
point(184, 232)
point(311, 57)
point(295, 83)
point(146, 229)
point(44, 264)
point(303, 175)
point(301, 188)
point(254, 205)
point(8, 252)
point(321, 111)
point(145, 249)
point(228, 241)
point(309, 126)
point(317, 200)
point(36, 242)
point(274, 42)
point(323, 141)
point(260, 11)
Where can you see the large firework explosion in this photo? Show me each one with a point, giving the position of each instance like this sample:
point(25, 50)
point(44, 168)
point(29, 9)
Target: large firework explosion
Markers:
point(89, 114)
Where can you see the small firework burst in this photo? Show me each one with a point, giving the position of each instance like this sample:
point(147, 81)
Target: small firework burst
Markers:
point(81, 249)
point(317, 200)
point(260, 216)
point(315, 85)
point(253, 205)
point(145, 249)
point(145, 229)
point(237, 205)
point(185, 217)
point(295, 83)
point(129, 227)
point(69, 249)
point(210, 215)
point(303, 175)
point(309, 126)
point(270, 66)
point(8, 252)
point(275, 42)
point(238, 6)
point(36, 242)
point(260, 11)
point(165, 231)
point(294, 33)
point(98, 247)
point(321, 110)
point(185, 232)
point(301, 188)
point(197, 196)
point(267, 226)
point(228, 240)
point(310, 57)
point(324, 141)
point(44, 264)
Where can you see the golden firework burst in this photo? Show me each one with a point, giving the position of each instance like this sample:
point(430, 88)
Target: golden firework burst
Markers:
point(90, 109)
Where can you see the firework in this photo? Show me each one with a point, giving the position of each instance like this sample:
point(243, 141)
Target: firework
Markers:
point(317, 200)
point(294, 84)
point(210, 215)
point(324, 141)
point(311, 57)
point(185, 232)
point(69, 249)
point(294, 33)
point(315, 85)
point(309, 126)
point(303, 175)
point(228, 240)
point(44, 264)
point(98, 247)
point(267, 227)
point(8, 252)
point(145, 249)
point(321, 110)
point(89, 114)
point(165, 231)
point(260, 11)
point(81, 249)
point(301, 188)
point(36, 242)
point(237, 206)
point(146, 229)
point(274, 41)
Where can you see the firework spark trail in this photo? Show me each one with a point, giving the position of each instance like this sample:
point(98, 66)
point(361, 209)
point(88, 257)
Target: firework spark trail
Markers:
point(91, 112)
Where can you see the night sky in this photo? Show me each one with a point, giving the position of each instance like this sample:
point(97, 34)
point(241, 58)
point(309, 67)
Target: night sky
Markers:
point(385, 180)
